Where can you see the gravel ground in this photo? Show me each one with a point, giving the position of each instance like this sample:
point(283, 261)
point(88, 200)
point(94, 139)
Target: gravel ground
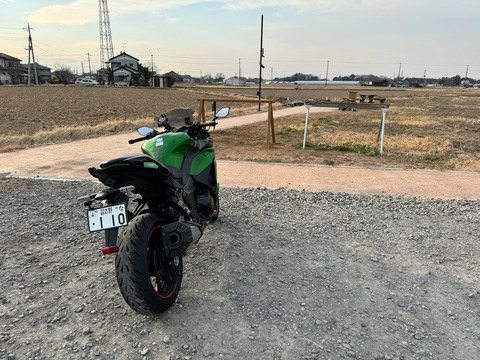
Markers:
point(281, 275)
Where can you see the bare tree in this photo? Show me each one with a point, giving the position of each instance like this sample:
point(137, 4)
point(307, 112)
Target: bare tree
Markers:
point(64, 74)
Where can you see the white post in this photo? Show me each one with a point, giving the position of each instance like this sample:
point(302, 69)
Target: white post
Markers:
point(382, 138)
point(308, 106)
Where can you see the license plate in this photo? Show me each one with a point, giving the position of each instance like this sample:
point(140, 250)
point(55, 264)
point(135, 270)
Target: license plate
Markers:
point(107, 217)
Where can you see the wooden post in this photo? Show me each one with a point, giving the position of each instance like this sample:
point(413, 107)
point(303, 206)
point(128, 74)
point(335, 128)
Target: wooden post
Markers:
point(201, 111)
point(271, 126)
point(270, 121)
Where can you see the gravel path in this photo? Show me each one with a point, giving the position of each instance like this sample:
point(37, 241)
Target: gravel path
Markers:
point(281, 275)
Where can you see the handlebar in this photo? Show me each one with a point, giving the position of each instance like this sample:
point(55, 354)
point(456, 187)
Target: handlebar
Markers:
point(205, 124)
point(133, 141)
point(148, 136)
point(168, 128)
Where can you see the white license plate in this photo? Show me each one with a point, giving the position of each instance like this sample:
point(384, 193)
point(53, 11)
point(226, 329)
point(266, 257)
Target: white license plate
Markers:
point(107, 217)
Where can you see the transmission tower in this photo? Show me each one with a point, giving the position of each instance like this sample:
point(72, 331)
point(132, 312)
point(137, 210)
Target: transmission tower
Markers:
point(106, 45)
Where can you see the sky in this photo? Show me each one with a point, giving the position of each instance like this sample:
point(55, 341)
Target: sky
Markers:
point(413, 38)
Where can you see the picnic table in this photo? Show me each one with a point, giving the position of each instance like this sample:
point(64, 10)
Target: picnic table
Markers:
point(371, 98)
point(368, 98)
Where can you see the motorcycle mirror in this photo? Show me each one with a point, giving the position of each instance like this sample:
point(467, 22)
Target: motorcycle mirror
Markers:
point(223, 112)
point(144, 130)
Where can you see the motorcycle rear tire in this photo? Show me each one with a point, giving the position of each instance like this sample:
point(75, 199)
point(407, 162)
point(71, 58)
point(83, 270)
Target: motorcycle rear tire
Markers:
point(141, 267)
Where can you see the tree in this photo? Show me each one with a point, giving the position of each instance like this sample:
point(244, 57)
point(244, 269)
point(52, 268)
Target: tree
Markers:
point(206, 79)
point(452, 81)
point(219, 77)
point(298, 77)
point(172, 78)
point(144, 74)
point(64, 74)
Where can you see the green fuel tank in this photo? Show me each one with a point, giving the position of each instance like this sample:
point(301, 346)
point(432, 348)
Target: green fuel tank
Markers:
point(170, 149)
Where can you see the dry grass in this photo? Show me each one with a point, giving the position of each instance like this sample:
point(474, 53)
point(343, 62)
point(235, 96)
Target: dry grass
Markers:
point(431, 129)
point(426, 129)
point(64, 134)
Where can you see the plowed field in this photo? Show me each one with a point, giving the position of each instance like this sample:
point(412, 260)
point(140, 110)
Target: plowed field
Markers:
point(426, 128)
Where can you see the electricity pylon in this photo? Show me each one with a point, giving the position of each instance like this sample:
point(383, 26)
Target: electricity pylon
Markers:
point(106, 45)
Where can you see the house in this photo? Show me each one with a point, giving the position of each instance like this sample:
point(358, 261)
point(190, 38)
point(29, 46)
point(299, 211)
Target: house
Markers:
point(10, 72)
point(380, 82)
point(236, 81)
point(44, 73)
point(123, 70)
point(187, 79)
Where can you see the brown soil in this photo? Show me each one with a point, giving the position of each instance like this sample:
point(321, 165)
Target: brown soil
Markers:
point(426, 128)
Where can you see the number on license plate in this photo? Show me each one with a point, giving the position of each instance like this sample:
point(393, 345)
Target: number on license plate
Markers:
point(107, 217)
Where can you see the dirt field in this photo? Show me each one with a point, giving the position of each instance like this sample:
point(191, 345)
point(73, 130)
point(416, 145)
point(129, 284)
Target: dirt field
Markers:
point(426, 128)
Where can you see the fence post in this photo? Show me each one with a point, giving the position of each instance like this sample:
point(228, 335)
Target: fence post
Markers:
point(270, 122)
point(201, 111)
point(382, 129)
point(308, 106)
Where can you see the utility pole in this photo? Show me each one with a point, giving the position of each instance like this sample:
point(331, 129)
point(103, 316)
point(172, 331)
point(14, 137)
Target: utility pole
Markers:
point(261, 66)
point(399, 71)
point(466, 73)
point(153, 77)
point(425, 78)
point(89, 66)
point(326, 77)
point(30, 51)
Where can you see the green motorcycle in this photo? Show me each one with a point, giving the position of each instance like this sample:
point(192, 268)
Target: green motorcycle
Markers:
point(156, 204)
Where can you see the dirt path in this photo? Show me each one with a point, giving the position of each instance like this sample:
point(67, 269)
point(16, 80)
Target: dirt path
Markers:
point(70, 161)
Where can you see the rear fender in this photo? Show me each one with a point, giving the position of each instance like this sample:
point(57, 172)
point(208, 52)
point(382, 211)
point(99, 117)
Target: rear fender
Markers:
point(111, 236)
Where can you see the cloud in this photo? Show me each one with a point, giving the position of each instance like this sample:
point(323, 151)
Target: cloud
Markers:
point(76, 12)
point(173, 20)
point(84, 11)
point(321, 6)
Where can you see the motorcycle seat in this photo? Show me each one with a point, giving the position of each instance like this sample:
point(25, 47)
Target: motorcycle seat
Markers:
point(136, 160)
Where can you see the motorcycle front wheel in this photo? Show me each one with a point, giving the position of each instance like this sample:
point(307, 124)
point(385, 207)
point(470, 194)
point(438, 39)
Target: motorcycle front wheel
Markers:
point(148, 281)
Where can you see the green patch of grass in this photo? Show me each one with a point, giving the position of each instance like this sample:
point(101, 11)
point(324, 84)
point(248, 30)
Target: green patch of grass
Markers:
point(435, 157)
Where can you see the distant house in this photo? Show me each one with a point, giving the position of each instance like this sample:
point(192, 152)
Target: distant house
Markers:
point(10, 72)
point(381, 82)
point(172, 74)
point(44, 73)
point(123, 70)
point(187, 78)
point(236, 81)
